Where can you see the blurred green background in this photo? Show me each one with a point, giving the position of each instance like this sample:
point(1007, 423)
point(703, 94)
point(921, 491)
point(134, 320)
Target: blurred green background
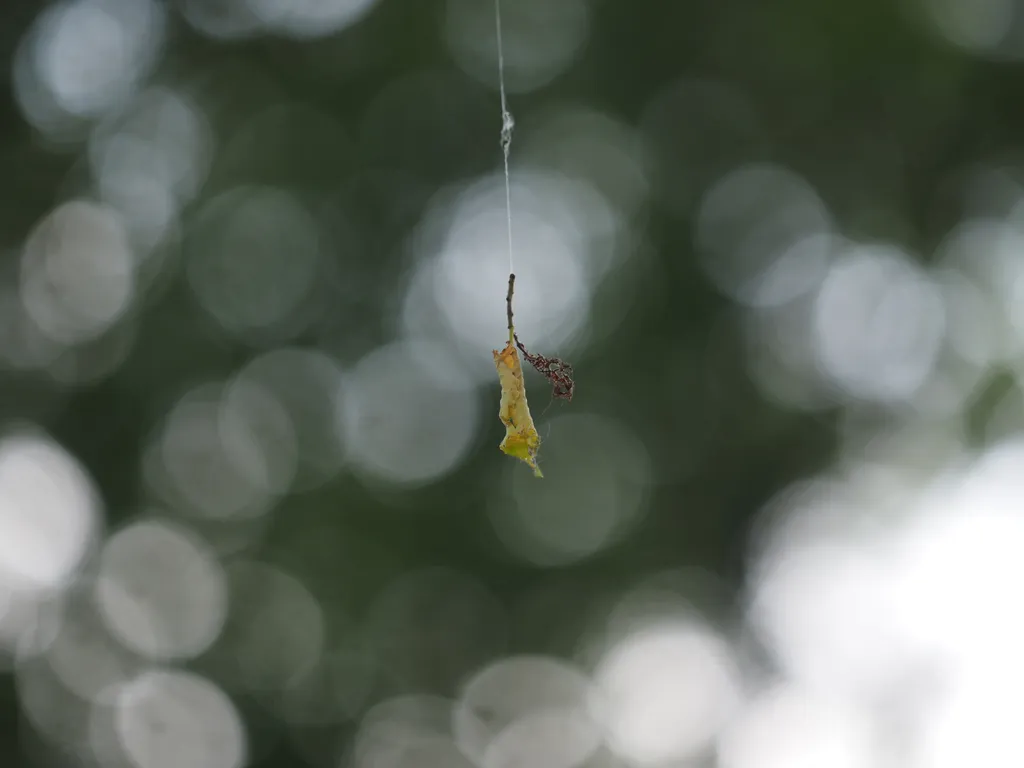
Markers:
point(252, 510)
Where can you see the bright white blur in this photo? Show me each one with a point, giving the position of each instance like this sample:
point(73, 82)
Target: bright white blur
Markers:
point(50, 513)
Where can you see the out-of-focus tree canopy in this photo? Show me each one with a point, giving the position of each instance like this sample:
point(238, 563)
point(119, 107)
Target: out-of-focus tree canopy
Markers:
point(254, 261)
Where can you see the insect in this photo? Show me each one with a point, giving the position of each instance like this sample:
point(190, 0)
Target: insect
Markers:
point(558, 372)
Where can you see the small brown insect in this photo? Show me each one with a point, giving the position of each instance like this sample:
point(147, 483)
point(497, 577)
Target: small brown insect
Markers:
point(556, 371)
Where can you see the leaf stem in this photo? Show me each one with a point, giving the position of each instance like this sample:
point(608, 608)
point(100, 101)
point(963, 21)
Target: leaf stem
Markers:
point(508, 305)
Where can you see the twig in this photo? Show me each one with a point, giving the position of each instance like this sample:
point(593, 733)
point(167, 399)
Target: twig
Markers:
point(508, 305)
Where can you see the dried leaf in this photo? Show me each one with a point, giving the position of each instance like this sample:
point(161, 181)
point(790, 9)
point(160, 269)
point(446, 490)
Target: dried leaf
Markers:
point(521, 438)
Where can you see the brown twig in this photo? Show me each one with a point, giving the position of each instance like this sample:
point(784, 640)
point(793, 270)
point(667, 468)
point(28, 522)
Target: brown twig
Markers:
point(508, 303)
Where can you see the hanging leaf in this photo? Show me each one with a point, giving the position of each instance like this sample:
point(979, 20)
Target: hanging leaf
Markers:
point(521, 438)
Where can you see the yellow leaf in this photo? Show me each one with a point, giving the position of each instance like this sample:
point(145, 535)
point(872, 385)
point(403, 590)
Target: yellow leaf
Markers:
point(521, 438)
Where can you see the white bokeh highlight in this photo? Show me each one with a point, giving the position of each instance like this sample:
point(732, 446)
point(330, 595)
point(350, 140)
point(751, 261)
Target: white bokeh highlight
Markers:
point(84, 656)
point(161, 590)
point(973, 723)
point(303, 20)
point(879, 321)
point(528, 710)
point(787, 727)
point(50, 513)
point(89, 55)
point(978, 26)
point(889, 591)
point(540, 40)
point(252, 260)
point(224, 453)
point(984, 285)
point(77, 272)
point(307, 385)
point(668, 690)
point(586, 145)
point(147, 161)
point(822, 597)
point(408, 731)
point(163, 137)
point(960, 564)
point(764, 235)
point(166, 719)
point(309, 18)
point(400, 424)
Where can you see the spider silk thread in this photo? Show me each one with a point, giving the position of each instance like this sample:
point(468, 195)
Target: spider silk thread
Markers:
point(507, 124)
